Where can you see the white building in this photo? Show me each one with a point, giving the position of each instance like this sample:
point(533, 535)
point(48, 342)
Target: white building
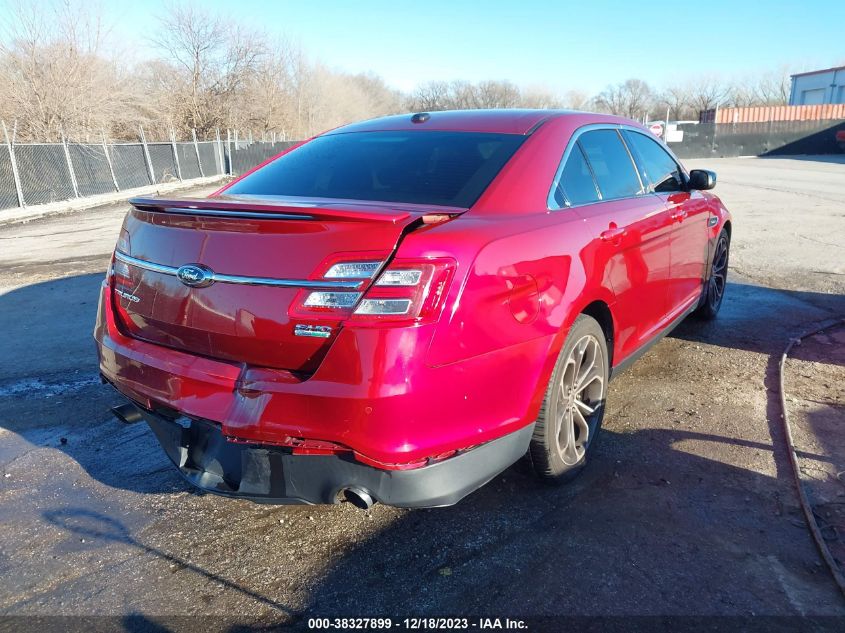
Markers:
point(818, 87)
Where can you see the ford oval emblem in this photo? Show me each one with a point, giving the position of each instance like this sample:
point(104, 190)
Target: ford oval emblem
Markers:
point(195, 275)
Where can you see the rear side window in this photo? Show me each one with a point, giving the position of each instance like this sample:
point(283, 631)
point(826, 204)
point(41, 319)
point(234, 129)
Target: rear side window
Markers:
point(660, 168)
point(438, 168)
point(612, 166)
point(576, 180)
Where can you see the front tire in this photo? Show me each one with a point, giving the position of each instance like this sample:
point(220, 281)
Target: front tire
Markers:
point(573, 407)
point(714, 292)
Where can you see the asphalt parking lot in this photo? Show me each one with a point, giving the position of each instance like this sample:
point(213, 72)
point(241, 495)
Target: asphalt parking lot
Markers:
point(688, 507)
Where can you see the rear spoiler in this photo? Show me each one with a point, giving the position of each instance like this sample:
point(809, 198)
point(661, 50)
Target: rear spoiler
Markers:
point(281, 210)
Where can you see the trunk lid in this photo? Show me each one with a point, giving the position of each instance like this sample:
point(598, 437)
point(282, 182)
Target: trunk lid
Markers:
point(266, 255)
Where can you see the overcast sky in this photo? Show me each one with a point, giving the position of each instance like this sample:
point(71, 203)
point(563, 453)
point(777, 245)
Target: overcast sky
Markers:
point(563, 45)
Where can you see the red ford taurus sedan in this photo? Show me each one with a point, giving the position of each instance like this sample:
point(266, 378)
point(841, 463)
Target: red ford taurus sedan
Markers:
point(399, 309)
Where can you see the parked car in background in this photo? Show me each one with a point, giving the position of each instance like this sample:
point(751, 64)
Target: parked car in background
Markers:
point(399, 309)
point(840, 139)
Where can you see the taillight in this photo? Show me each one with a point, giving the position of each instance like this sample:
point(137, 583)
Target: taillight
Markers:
point(124, 244)
point(322, 300)
point(354, 269)
point(407, 291)
point(119, 271)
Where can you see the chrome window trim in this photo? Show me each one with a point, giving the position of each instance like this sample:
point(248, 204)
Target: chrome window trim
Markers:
point(665, 148)
point(643, 188)
point(240, 279)
point(552, 205)
point(576, 146)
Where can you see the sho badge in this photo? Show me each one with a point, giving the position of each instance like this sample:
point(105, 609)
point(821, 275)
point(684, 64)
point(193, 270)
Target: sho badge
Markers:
point(315, 331)
point(127, 295)
point(195, 275)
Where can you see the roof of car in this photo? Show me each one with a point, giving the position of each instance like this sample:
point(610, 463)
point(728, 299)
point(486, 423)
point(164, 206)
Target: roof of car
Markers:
point(499, 121)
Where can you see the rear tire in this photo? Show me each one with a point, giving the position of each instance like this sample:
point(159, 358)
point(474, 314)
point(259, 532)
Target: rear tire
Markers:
point(573, 407)
point(717, 281)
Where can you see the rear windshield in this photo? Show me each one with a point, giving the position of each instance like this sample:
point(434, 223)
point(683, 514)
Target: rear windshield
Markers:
point(438, 168)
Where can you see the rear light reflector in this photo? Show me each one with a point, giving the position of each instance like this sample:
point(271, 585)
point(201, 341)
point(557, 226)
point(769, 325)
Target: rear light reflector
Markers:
point(383, 306)
point(408, 292)
point(399, 278)
point(123, 243)
point(352, 270)
point(331, 300)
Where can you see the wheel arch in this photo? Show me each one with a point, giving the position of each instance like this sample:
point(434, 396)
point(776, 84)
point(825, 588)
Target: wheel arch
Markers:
point(600, 311)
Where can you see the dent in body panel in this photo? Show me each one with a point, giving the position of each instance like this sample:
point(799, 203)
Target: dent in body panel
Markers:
point(519, 287)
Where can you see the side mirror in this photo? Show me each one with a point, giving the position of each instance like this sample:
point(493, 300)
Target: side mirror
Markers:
point(702, 179)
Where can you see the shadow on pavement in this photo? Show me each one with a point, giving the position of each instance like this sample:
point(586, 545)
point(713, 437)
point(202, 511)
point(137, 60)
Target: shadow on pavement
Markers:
point(50, 392)
point(759, 319)
point(651, 528)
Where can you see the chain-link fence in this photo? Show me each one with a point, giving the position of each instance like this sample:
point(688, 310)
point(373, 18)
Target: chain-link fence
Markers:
point(39, 173)
point(244, 157)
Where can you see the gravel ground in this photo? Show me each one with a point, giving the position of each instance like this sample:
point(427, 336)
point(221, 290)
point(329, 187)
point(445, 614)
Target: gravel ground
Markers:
point(687, 508)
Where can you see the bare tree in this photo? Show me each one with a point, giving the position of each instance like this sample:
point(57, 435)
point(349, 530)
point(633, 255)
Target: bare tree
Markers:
point(497, 94)
point(465, 95)
point(577, 100)
point(539, 97)
point(676, 99)
point(211, 59)
point(430, 97)
point(707, 93)
point(340, 98)
point(632, 98)
point(59, 75)
point(56, 76)
point(773, 88)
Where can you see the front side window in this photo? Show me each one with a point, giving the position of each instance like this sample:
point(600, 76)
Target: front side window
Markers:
point(576, 180)
point(611, 163)
point(660, 168)
point(423, 167)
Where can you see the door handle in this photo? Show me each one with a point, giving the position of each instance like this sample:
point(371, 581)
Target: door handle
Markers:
point(678, 216)
point(612, 234)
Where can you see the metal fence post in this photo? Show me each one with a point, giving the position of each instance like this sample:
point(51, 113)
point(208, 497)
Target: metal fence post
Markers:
point(147, 156)
point(197, 150)
point(108, 160)
point(229, 143)
point(70, 166)
point(220, 152)
point(175, 153)
point(715, 124)
point(10, 143)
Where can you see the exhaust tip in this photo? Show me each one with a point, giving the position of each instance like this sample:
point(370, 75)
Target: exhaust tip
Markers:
point(358, 498)
point(127, 413)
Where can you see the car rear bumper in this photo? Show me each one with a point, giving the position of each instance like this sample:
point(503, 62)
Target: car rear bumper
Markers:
point(274, 474)
point(373, 394)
